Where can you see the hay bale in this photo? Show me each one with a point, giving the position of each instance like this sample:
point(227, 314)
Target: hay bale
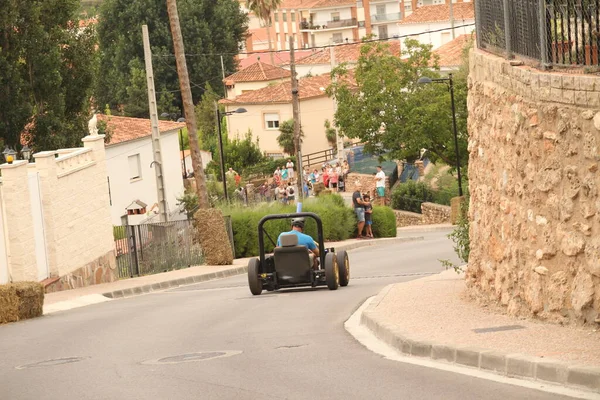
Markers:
point(21, 300)
point(318, 188)
point(211, 234)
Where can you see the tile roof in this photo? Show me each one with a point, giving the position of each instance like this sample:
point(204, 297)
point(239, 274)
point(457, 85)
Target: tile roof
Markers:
point(125, 129)
point(451, 53)
point(310, 4)
point(343, 53)
point(258, 72)
point(282, 93)
point(440, 13)
point(281, 57)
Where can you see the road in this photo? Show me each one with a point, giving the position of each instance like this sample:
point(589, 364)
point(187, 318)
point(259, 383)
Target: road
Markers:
point(285, 345)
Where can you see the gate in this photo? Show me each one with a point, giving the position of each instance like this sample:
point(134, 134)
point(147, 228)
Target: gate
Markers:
point(153, 248)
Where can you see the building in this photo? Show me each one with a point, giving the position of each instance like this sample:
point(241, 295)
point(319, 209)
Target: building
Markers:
point(130, 168)
point(255, 76)
point(450, 55)
point(186, 159)
point(268, 107)
point(432, 25)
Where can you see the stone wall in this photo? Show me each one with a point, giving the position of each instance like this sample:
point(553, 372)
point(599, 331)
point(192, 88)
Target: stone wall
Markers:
point(435, 214)
point(534, 205)
point(407, 218)
point(74, 231)
point(367, 185)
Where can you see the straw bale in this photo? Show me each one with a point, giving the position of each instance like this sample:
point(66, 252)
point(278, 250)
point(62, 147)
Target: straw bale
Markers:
point(21, 300)
point(212, 235)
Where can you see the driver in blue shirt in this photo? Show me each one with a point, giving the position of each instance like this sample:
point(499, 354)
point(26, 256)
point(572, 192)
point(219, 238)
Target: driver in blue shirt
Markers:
point(303, 239)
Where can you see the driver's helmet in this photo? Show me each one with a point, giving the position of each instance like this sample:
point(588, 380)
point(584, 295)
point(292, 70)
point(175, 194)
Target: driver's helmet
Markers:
point(299, 222)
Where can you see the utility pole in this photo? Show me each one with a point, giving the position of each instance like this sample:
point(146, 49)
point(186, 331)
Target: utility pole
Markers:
point(340, 146)
point(156, 151)
point(296, 114)
point(188, 104)
point(452, 20)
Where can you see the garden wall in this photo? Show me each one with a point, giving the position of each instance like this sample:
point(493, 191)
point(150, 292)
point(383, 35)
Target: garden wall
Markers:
point(435, 214)
point(534, 205)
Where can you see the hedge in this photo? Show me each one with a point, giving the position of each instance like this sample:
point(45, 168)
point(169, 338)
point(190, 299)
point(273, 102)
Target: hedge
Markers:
point(339, 222)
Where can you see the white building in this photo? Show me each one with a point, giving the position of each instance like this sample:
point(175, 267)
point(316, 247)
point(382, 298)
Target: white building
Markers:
point(432, 25)
point(131, 175)
point(253, 77)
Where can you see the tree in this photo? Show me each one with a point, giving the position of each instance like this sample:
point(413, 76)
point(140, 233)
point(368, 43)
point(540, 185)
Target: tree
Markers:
point(391, 113)
point(209, 28)
point(286, 137)
point(206, 115)
point(47, 69)
point(263, 10)
point(330, 134)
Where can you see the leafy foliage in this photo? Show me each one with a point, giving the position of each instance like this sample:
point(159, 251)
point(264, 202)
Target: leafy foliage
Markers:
point(286, 137)
point(460, 237)
point(391, 113)
point(267, 166)
point(330, 134)
point(410, 195)
point(384, 222)
point(208, 27)
point(47, 69)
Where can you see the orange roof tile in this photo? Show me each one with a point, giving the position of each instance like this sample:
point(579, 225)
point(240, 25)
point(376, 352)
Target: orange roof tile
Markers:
point(440, 13)
point(452, 52)
point(125, 129)
point(282, 93)
point(343, 53)
point(258, 72)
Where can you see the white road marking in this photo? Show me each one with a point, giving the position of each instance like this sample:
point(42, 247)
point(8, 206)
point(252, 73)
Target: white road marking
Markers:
point(365, 337)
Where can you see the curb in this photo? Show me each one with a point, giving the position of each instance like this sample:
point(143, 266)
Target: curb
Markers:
point(143, 289)
point(138, 290)
point(512, 365)
point(425, 228)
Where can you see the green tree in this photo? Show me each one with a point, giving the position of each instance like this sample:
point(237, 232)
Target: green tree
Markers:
point(206, 117)
point(286, 137)
point(209, 28)
point(330, 134)
point(47, 69)
point(391, 113)
point(263, 10)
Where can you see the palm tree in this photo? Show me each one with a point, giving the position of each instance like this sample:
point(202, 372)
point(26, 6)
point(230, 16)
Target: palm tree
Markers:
point(263, 10)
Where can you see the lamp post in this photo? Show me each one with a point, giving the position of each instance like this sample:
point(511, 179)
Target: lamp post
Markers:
point(26, 153)
point(221, 155)
point(9, 154)
point(425, 80)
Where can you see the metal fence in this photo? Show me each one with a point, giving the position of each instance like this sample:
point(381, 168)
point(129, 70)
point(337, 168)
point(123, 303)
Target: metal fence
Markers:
point(152, 248)
point(555, 32)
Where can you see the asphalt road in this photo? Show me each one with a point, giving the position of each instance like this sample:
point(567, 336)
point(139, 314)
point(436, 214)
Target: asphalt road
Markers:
point(285, 345)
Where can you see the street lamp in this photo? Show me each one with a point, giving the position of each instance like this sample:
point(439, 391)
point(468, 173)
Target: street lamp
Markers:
point(221, 155)
point(426, 80)
point(26, 153)
point(9, 155)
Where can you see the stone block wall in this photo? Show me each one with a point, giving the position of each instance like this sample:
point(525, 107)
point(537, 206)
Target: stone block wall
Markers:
point(367, 185)
point(435, 214)
point(534, 205)
point(77, 228)
point(407, 218)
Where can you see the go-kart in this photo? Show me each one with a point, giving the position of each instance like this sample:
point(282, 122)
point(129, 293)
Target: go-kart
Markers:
point(291, 266)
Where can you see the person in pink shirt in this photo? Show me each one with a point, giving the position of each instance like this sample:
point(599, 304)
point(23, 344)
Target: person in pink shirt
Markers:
point(333, 179)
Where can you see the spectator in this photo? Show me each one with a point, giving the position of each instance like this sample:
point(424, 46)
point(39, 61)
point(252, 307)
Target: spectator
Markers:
point(238, 179)
point(284, 175)
point(368, 215)
point(325, 177)
point(290, 169)
point(359, 209)
point(333, 179)
point(380, 184)
point(291, 193)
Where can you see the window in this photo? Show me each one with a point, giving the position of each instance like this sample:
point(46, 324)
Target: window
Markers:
point(135, 167)
point(293, 16)
point(284, 16)
point(337, 38)
point(271, 121)
point(335, 16)
point(380, 9)
point(275, 17)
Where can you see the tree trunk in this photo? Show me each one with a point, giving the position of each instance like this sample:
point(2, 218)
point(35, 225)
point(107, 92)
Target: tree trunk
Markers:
point(188, 104)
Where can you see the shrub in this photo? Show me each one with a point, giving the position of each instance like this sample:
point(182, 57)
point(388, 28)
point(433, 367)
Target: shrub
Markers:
point(410, 195)
point(338, 222)
point(384, 222)
point(269, 166)
point(460, 237)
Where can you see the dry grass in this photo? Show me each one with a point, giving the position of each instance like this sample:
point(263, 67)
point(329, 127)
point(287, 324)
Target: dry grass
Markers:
point(210, 232)
point(21, 300)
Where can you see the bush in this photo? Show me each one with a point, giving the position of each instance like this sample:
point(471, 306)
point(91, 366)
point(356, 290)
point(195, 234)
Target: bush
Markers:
point(460, 237)
point(384, 222)
point(410, 195)
point(269, 166)
point(338, 222)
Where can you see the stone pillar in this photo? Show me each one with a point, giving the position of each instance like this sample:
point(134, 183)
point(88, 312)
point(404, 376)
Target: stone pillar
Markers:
point(19, 222)
point(46, 167)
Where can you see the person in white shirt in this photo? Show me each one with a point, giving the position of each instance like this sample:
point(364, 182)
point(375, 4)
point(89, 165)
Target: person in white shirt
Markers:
point(380, 184)
point(290, 168)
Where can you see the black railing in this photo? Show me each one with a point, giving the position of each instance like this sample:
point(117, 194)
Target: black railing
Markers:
point(315, 160)
point(555, 32)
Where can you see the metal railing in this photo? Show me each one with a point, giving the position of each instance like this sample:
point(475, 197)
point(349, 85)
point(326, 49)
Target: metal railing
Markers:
point(340, 23)
point(555, 32)
point(385, 17)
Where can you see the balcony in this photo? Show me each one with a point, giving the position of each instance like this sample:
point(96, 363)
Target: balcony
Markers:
point(384, 18)
point(328, 25)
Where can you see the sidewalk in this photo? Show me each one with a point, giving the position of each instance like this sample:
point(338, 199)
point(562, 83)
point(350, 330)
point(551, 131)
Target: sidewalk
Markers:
point(431, 318)
point(94, 294)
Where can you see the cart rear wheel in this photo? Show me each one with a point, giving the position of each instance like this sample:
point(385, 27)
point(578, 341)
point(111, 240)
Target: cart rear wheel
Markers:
point(332, 272)
point(254, 280)
point(344, 267)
